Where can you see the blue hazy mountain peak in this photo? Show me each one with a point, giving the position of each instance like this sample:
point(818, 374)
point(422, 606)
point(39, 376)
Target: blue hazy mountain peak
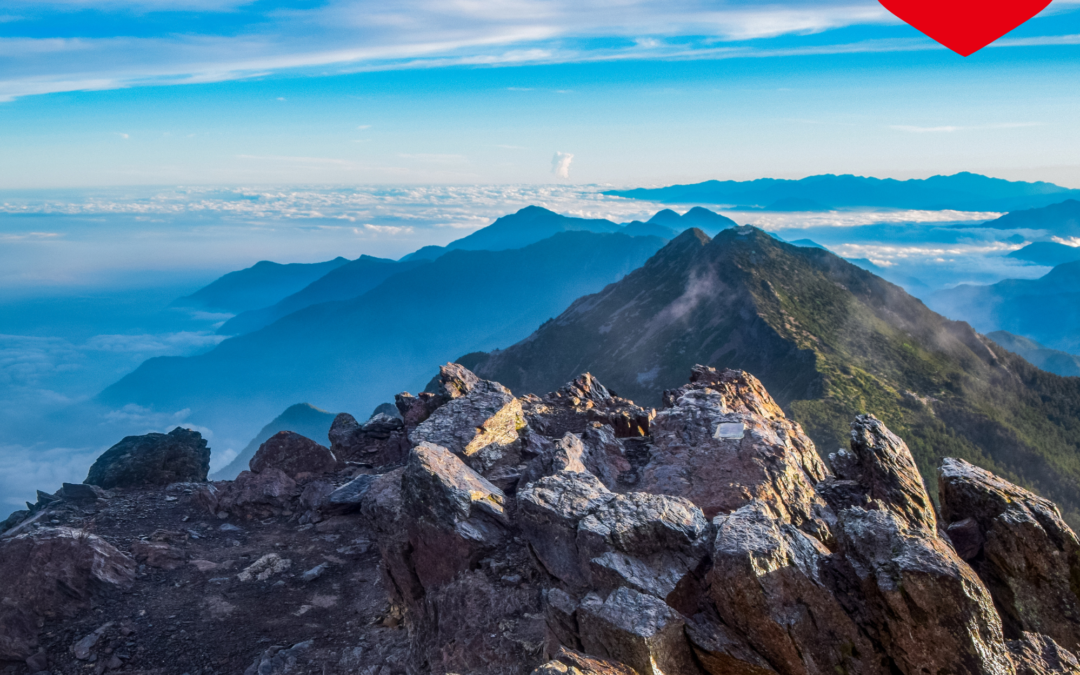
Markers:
point(527, 226)
point(1049, 253)
point(262, 284)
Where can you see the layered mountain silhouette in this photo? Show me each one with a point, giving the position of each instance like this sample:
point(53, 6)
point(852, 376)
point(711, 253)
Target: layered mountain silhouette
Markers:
point(528, 226)
point(352, 355)
point(1046, 309)
point(260, 285)
point(302, 418)
point(963, 191)
point(828, 339)
point(350, 280)
point(705, 220)
point(1050, 360)
point(1062, 219)
point(1049, 253)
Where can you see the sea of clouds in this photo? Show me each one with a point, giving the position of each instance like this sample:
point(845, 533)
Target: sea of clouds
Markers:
point(86, 278)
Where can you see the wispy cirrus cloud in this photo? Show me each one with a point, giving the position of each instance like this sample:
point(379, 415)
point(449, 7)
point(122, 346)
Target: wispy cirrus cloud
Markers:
point(911, 129)
point(362, 34)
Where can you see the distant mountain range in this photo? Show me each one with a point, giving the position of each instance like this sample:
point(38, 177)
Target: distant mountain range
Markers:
point(1046, 309)
point(346, 281)
point(528, 226)
point(962, 191)
point(260, 285)
point(1060, 219)
point(352, 355)
point(1050, 360)
point(828, 340)
point(1048, 253)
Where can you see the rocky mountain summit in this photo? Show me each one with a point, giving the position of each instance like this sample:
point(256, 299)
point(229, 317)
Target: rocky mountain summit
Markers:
point(574, 533)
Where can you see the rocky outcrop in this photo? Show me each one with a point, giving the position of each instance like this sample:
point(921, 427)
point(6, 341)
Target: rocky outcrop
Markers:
point(379, 441)
point(1021, 548)
point(295, 455)
point(581, 403)
point(879, 471)
point(1035, 654)
point(53, 573)
point(723, 442)
point(549, 535)
point(154, 459)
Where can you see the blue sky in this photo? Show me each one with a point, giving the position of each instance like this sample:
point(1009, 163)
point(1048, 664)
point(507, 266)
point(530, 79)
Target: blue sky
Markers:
point(156, 92)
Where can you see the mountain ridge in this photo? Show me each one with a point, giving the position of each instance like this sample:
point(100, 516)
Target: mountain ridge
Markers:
point(828, 339)
point(962, 191)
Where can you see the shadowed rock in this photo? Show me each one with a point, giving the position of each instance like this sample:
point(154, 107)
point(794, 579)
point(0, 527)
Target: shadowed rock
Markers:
point(918, 598)
point(154, 459)
point(881, 469)
point(1036, 654)
point(638, 630)
point(767, 583)
point(1020, 546)
point(294, 455)
point(379, 441)
point(53, 573)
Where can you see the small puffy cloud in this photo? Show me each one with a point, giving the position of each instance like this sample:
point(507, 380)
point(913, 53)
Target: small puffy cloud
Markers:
point(560, 164)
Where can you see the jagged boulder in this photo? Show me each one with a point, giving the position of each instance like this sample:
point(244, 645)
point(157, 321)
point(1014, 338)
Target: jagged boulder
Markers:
point(453, 381)
point(917, 598)
point(1020, 546)
point(550, 511)
point(879, 471)
point(478, 426)
point(636, 629)
point(455, 514)
point(1036, 654)
point(583, 402)
point(252, 495)
point(723, 442)
point(378, 442)
point(295, 455)
point(768, 582)
point(52, 573)
point(154, 459)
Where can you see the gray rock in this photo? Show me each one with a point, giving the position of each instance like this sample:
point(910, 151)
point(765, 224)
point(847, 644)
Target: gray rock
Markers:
point(315, 572)
point(1029, 557)
point(455, 514)
point(476, 425)
point(723, 442)
point(638, 630)
point(349, 497)
point(153, 459)
point(80, 492)
point(550, 510)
